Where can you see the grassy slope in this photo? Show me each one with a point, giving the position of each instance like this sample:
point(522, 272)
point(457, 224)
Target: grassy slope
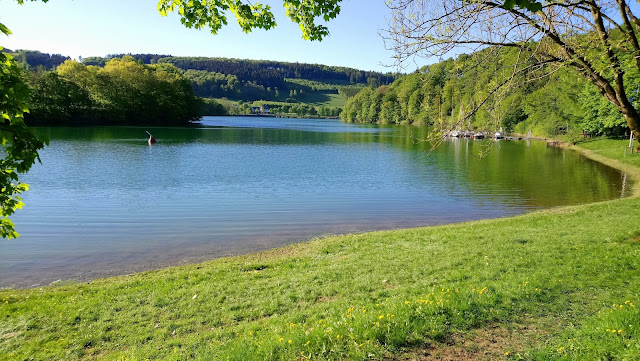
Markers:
point(317, 99)
point(323, 99)
point(362, 296)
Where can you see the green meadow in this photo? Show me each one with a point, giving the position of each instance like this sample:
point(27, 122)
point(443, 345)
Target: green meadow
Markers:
point(558, 284)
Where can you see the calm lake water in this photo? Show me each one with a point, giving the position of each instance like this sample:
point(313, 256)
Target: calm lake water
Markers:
point(104, 203)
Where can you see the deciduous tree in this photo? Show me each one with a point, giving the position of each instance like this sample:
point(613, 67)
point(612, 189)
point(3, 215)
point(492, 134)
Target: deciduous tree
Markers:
point(20, 146)
point(598, 38)
point(212, 14)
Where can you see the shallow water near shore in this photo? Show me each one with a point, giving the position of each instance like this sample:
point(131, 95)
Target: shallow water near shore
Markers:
point(104, 203)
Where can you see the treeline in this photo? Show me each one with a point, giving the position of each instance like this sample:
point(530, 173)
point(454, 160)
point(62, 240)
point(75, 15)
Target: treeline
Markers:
point(274, 70)
point(251, 80)
point(102, 61)
point(236, 79)
point(283, 109)
point(35, 59)
point(124, 91)
point(460, 93)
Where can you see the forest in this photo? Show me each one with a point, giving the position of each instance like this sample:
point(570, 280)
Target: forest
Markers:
point(225, 86)
point(249, 80)
point(123, 91)
point(457, 94)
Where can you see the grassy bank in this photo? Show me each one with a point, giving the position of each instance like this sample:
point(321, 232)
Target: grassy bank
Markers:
point(571, 274)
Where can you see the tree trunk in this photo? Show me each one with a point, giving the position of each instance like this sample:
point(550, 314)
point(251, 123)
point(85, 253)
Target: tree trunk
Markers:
point(632, 117)
point(633, 120)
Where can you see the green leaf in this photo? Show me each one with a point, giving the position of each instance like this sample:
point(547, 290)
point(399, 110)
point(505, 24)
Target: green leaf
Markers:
point(4, 29)
point(532, 6)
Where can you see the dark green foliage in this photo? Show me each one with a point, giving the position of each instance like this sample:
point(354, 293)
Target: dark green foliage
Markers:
point(532, 6)
point(273, 73)
point(212, 107)
point(54, 99)
point(34, 59)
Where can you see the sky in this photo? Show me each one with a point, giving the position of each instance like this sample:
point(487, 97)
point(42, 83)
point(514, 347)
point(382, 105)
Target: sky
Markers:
point(97, 28)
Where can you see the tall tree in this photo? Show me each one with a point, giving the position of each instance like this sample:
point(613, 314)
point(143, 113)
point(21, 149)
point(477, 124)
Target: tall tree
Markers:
point(598, 38)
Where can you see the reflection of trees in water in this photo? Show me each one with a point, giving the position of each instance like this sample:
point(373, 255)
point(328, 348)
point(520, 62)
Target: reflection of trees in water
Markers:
point(516, 173)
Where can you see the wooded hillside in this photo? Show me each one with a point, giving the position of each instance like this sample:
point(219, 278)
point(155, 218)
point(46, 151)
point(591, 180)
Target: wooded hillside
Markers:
point(460, 94)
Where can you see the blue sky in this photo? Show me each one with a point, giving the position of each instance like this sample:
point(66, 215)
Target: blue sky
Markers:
point(97, 28)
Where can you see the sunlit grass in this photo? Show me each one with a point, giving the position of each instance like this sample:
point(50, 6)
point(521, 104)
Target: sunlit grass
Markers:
point(363, 296)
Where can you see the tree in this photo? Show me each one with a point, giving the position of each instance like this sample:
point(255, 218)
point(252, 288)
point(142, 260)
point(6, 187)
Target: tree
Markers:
point(19, 144)
point(211, 14)
point(597, 38)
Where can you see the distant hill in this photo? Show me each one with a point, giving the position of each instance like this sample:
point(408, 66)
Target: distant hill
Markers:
point(34, 58)
point(253, 70)
point(251, 80)
point(243, 80)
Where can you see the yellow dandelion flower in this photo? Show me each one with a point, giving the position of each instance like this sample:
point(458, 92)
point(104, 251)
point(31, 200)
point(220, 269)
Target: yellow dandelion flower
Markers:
point(290, 341)
point(381, 317)
point(619, 331)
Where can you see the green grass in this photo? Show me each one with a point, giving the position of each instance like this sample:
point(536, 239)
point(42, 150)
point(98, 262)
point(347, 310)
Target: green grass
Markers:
point(323, 99)
point(316, 99)
point(616, 149)
point(573, 271)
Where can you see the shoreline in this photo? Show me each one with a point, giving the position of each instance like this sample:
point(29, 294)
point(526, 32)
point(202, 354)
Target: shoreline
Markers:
point(381, 295)
point(91, 276)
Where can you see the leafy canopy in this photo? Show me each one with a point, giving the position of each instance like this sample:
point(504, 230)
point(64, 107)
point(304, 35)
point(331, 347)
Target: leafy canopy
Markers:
point(20, 146)
point(212, 14)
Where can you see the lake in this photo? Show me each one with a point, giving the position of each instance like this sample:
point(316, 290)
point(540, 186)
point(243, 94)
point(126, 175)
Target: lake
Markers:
point(103, 202)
